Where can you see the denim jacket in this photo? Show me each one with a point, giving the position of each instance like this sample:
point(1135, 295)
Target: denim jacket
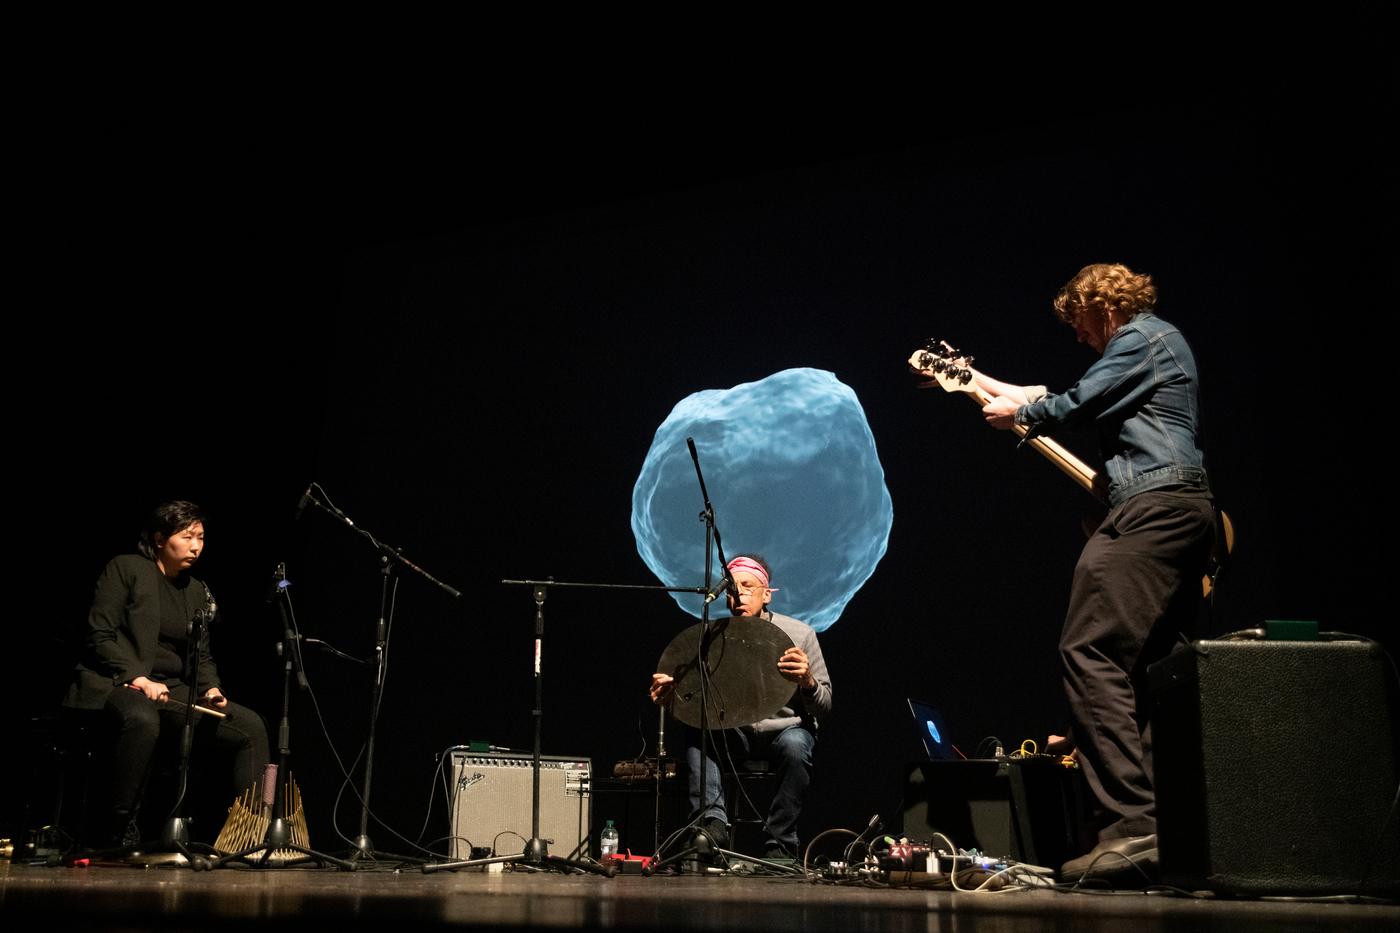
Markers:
point(1143, 397)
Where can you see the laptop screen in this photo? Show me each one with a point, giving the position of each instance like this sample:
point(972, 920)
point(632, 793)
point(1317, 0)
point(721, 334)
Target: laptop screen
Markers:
point(928, 721)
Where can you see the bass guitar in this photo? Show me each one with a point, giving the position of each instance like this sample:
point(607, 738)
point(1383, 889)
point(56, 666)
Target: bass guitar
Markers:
point(952, 370)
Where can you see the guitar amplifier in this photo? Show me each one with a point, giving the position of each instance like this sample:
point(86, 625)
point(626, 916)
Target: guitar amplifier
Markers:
point(492, 796)
point(1276, 768)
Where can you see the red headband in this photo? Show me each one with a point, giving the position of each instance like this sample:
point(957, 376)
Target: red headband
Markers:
point(752, 566)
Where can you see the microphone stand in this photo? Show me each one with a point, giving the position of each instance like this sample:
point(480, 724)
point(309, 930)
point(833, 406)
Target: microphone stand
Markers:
point(701, 843)
point(536, 852)
point(279, 832)
point(175, 833)
point(711, 532)
point(363, 846)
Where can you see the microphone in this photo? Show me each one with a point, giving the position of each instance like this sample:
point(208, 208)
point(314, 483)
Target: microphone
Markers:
point(278, 584)
point(269, 785)
point(724, 583)
point(302, 503)
point(204, 615)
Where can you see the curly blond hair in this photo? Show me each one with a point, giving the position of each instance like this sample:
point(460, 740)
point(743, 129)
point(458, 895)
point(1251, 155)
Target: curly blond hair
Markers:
point(1108, 289)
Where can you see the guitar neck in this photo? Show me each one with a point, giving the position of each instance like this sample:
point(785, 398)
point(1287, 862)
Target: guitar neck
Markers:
point(1067, 463)
point(943, 364)
point(1088, 478)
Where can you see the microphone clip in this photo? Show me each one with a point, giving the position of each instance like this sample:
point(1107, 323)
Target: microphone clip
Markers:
point(724, 583)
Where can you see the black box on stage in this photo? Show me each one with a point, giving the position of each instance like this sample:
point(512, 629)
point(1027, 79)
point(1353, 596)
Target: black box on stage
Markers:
point(1275, 768)
point(1027, 809)
point(632, 805)
point(493, 794)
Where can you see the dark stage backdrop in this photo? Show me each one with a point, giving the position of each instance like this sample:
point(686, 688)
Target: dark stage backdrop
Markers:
point(472, 358)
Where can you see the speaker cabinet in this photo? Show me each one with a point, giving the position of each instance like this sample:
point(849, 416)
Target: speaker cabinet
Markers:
point(492, 797)
point(1276, 768)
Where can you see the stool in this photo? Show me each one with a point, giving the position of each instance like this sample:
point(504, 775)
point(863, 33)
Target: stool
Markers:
point(755, 777)
point(65, 745)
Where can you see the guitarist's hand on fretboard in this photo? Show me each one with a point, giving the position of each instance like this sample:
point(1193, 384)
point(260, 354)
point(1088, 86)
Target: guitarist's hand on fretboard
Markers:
point(1000, 412)
point(952, 371)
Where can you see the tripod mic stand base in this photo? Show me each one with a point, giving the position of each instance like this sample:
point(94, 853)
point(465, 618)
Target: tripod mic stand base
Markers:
point(692, 862)
point(175, 834)
point(704, 856)
point(536, 852)
point(536, 855)
point(279, 833)
point(251, 857)
point(363, 850)
point(172, 850)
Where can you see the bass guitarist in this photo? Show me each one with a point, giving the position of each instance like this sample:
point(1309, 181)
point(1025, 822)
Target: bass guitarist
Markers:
point(1135, 585)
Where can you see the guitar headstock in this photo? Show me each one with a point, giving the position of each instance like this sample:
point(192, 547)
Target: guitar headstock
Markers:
point(941, 362)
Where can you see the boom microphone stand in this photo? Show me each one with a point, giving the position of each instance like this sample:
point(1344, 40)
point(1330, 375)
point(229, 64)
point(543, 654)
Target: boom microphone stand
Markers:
point(711, 533)
point(702, 843)
point(389, 558)
point(536, 852)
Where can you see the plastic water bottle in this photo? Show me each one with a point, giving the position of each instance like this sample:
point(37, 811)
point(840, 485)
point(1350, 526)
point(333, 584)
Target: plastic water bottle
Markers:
point(607, 840)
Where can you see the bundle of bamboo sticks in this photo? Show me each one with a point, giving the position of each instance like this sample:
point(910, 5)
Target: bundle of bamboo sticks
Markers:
point(250, 813)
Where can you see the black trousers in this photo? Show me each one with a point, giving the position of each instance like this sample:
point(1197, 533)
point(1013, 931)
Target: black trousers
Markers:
point(1136, 587)
point(141, 730)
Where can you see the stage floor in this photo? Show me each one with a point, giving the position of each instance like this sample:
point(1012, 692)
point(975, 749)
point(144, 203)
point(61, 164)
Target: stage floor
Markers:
point(128, 898)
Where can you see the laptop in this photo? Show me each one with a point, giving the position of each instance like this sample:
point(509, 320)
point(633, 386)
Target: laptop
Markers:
point(933, 734)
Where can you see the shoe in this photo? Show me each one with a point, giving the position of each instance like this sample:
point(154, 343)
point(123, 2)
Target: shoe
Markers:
point(123, 833)
point(776, 852)
point(1124, 856)
point(712, 834)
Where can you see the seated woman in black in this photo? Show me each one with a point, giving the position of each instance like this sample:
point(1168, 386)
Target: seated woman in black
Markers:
point(134, 659)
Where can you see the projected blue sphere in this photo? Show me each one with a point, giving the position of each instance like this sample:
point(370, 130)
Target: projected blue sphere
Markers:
point(793, 474)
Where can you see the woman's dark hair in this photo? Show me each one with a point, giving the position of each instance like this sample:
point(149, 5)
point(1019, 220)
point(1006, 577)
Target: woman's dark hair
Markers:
point(167, 519)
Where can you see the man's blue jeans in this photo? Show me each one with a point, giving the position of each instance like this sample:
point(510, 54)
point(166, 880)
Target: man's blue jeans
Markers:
point(788, 752)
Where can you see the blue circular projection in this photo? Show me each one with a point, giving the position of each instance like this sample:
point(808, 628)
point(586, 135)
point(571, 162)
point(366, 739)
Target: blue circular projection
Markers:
point(793, 474)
